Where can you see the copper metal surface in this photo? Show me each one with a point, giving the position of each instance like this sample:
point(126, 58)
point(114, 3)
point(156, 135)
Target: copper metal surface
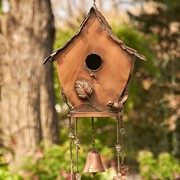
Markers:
point(94, 163)
point(95, 91)
point(83, 89)
point(107, 28)
point(92, 114)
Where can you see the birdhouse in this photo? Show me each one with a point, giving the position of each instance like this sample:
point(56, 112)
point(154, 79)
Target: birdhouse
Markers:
point(94, 68)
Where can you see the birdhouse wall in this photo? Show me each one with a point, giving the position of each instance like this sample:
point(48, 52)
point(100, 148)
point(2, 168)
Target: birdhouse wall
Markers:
point(110, 80)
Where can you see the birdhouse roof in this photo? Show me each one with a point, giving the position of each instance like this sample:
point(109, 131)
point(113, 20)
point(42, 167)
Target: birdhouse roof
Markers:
point(106, 27)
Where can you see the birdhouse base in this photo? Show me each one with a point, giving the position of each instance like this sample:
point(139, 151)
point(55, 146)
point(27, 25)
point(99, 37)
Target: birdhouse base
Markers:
point(92, 114)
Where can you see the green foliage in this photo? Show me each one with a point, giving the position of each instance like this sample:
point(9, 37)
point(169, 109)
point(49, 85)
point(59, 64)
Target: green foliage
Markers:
point(164, 167)
point(166, 12)
point(5, 173)
point(143, 44)
point(62, 36)
point(164, 24)
point(55, 162)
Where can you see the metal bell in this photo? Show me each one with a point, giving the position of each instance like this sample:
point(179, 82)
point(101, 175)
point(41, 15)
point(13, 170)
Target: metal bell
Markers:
point(93, 163)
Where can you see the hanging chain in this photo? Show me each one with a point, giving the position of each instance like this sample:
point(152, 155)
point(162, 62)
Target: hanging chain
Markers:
point(122, 168)
point(71, 136)
point(77, 143)
point(118, 145)
point(93, 134)
point(94, 1)
point(122, 132)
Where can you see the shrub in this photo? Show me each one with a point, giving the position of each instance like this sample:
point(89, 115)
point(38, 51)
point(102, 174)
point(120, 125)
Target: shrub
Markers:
point(164, 167)
point(5, 173)
point(55, 163)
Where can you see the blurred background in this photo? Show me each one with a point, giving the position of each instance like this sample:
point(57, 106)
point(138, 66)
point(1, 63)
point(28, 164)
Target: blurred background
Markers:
point(34, 140)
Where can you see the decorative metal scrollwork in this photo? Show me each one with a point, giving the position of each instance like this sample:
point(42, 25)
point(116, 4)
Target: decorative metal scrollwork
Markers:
point(64, 98)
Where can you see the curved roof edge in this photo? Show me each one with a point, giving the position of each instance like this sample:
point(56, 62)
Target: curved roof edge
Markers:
point(106, 27)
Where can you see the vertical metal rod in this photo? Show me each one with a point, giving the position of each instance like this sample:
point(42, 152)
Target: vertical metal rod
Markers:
point(93, 134)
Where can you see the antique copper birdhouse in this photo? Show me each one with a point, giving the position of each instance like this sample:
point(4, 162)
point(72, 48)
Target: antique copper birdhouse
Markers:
point(94, 69)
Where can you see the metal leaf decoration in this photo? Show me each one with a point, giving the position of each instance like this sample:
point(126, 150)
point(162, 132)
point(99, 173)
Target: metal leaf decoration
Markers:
point(83, 89)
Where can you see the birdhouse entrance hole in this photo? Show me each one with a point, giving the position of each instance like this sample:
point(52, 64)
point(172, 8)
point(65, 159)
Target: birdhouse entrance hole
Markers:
point(93, 62)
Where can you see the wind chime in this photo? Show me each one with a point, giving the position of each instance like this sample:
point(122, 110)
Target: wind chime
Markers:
point(94, 69)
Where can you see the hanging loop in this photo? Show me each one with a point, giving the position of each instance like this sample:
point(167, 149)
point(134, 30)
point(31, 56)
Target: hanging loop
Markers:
point(94, 2)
